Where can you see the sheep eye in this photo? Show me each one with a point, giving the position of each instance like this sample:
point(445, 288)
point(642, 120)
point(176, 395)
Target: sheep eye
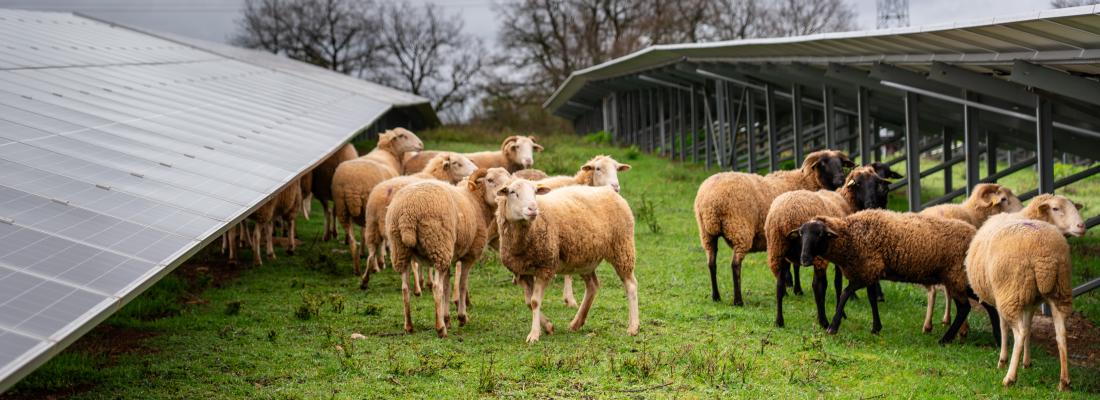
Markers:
point(1056, 209)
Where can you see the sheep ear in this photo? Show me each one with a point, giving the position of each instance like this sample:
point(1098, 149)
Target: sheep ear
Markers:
point(502, 192)
point(587, 167)
point(851, 182)
point(1079, 205)
point(1044, 207)
point(446, 165)
point(542, 189)
point(892, 175)
point(536, 146)
point(846, 162)
point(624, 167)
point(830, 232)
point(794, 234)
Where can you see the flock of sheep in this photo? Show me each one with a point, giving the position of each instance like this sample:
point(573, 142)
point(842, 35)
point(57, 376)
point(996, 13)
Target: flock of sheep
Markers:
point(442, 208)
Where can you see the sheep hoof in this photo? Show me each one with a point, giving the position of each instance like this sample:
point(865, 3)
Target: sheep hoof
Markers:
point(575, 325)
point(442, 332)
point(738, 303)
point(447, 320)
point(798, 292)
point(1027, 364)
point(462, 319)
point(533, 337)
point(363, 284)
point(1063, 386)
point(632, 331)
point(716, 297)
point(416, 293)
point(571, 303)
point(290, 252)
point(876, 329)
point(408, 328)
point(779, 323)
point(927, 328)
point(1009, 381)
point(831, 331)
point(1001, 363)
point(549, 327)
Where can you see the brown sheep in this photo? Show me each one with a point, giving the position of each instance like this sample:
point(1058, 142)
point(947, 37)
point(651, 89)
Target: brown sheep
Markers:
point(516, 153)
point(321, 186)
point(874, 245)
point(863, 189)
point(734, 205)
point(1020, 260)
point(439, 224)
point(986, 200)
point(446, 166)
point(567, 231)
point(353, 180)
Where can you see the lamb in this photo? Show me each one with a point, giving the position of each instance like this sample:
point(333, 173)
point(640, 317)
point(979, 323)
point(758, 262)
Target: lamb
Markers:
point(446, 166)
point(863, 189)
point(516, 153)
point(353, 180)
point(734, 205)
point(565, 231)
point(321, 186)
point(986, 200)
point(438, 224)
point(1018, 261)
point(872, 245)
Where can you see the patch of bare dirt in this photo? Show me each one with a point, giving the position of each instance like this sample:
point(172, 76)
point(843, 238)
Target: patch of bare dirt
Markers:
point(1082, 338)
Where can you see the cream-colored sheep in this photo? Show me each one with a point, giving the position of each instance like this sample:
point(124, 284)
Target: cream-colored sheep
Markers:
point(599, 171)
point(353, 180)
point(565, 231)
point(439, 224)
point(863, 189)
point(306, 184)
point(734, 205)
point(516, 153)
point(288, 204)
point(987, 199)
point(1020, 260)
point(446, 166)
point(321, 186)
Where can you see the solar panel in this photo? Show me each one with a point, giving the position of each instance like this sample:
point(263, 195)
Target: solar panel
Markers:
point(122, 153)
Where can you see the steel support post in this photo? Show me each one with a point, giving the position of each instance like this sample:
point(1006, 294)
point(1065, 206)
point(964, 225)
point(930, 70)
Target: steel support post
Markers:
point(796, 120)
point(863, 109)
point(991, 153)
point(947, 156)
point(773, 131)
point(972, 148)
point(1044, 144)
point(720, 112)
point(694, 126)
point(708, 123)
point(750, 129)
point(912, 151)
point(662, 106)
point(830, 117)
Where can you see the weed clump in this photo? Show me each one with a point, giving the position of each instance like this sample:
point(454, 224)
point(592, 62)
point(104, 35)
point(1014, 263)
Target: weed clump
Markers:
point(647, 213)
point(310, 307)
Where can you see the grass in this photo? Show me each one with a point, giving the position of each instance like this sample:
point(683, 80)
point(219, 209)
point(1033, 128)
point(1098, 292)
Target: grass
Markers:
point(283, 330)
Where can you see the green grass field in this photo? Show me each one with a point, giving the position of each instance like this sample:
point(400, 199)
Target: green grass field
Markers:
point(282, 330)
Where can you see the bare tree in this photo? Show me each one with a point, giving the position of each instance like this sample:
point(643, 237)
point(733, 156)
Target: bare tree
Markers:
point(334, 34)
point(427, 53)
point(806, 17)
point(1072, 3)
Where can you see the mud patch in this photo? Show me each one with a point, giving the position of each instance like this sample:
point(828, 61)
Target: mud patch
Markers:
point(1082, 338)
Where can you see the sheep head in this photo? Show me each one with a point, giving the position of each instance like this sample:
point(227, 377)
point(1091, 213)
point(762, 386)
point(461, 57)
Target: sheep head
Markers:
point(884, 171)
point(603, 171)
point(995, 198)
point(400, 141)
point(829, 165)
point(815, 236)
point(520, 150)
point(488, 182)
point(868, 188)
point(1058, 211)
point(517, 200)
point(457, 166)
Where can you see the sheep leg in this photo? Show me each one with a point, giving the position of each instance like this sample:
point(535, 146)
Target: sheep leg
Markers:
point(439, 292)
point(1002, 358)
point(797, 279)
point(994, 321)
point(567, 292)
point(631, 286)
point(838, 285)
point(819, 286)
point(353, 246)
point(328, 231)
point(784, 271)
point(405, 300)
point(526, 282)
point(591, 284)
point(852, 287)
point(365, 279)
point(293, 241)
point(878, 289)
point(416, 278)
point(872, 296)
point(962, 305)
point(371, 260)
point(711, 246)
point(1019, 331)
point(536, 310)
point(931, 293)
point(459, 266)
point(735, 268)
point(463, 282)
point(231, 236)
point(447, 294)
point(946, 307)
point(270, 237)
point(257, 256)
point(1026, 318)
point(1059, 315)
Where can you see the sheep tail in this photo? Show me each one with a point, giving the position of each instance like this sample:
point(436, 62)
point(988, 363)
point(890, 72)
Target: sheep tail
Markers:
point(1046, 276)
point(406, 225)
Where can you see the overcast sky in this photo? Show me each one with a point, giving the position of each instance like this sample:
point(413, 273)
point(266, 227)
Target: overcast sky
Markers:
point(216, 19)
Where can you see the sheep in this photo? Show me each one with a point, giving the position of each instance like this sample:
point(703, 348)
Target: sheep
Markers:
point(306, 185)
point(353, 180)
point(262, 218)
point(863, 189)
point(438, 224)
point(531, 174)
point(1020, 260)
point(516, 153)
point(446, 166)
point(873, 245)
point(565, 231)
point(987, 199)
point(733, 206)
point(288, 203)
point(321, 186)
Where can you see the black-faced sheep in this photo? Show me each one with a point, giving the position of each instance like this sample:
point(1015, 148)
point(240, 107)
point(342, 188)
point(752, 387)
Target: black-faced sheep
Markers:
point(353, 180)
point(321, 186)
point(1020, 260)
point(446, 166)
point(863, 189)
point(565, 231)
point(438, 224)
point(875, 245)
point(734, 205)
point(516, 153)
point(987, 199)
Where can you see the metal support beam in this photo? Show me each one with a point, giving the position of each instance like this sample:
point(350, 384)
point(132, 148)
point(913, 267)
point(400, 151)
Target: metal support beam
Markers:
point(662, 106)
point(971, 145)
point(694, 128)
point(947, 156)
point(773, 130)
point(827, 95)
point(864, 123)
point(750, 129)
point(990, 153)
point(978, 83)
point(682, 123)
point(720, 109)
point(796, 119)
point(708, 125)
point(912, 150)
point(1055, 81)
point(1044, 144)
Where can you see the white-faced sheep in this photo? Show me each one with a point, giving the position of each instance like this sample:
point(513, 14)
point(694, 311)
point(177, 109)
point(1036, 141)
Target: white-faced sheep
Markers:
point(599, 171)
point(565, 231)
point(321, 186)
point(986, 200)
point(353, 180)
point(863, 189)
point(516, 153)
point(446, 166)
point(1020, 260)
point(734, 205)
point(439, 224)
point(873, 245)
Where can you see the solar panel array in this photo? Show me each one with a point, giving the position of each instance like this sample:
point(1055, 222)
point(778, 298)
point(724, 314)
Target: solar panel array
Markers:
point(122, 153)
